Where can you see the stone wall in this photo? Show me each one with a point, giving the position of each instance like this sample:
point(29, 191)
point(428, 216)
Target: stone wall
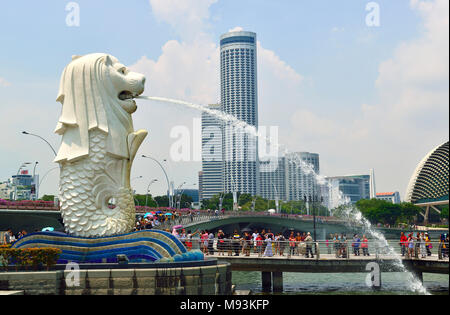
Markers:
point(207, 280)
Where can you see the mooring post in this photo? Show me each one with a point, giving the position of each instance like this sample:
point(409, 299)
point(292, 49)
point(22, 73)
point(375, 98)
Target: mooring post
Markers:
point(266, 281)
point(277, 279)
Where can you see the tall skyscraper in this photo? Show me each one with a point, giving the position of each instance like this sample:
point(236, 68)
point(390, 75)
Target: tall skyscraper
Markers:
point(211, 175)
point(273, 180)
point(290, 181)
point(299, 181)
point(239, 97)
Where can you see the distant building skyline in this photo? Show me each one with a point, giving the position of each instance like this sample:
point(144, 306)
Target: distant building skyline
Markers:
point(393, 197)
point(353, 187)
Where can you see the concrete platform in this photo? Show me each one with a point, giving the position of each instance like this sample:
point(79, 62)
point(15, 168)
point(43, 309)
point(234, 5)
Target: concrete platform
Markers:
point(11, 293)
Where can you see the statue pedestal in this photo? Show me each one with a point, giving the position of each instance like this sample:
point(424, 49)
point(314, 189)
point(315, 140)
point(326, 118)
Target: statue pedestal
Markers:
point(142, 246)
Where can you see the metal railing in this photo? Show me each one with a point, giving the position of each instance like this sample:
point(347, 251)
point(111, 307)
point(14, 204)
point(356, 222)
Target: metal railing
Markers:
point(320, 249)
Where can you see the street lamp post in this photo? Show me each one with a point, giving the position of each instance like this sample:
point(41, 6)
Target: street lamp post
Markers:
point(277, 202)
point(31, 134)
point(34, 181)
point(148, 189)
point(180, 195)
point(43, 177)
point(167, 178)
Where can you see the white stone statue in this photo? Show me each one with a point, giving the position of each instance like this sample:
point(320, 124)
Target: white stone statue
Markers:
point(98, 145)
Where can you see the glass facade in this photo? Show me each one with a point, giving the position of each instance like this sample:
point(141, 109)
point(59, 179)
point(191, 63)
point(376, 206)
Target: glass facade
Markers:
point(430, 180)
point(211, 178)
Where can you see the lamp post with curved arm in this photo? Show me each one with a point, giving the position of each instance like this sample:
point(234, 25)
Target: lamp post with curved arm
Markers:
point(32, 134)
point(148, 189)
point(42, 179)
point(180, 195)
point(167, 177)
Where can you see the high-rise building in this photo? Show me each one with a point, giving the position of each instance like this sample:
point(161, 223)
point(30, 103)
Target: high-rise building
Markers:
point(211, 175)
point(273, 180)
point(293, 178)
point(239, 98)
point(301, 170)
point(350, 187)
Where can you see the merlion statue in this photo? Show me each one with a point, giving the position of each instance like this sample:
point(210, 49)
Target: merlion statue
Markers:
point(98, 145)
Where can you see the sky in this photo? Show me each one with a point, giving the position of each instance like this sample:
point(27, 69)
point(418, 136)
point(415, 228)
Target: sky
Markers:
point(362, 96)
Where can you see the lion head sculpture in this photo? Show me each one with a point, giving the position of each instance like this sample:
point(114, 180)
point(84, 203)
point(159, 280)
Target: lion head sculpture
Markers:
point(96, 91)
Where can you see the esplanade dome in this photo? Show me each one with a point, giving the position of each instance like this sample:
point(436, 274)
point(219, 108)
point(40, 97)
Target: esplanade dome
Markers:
point(429, 182)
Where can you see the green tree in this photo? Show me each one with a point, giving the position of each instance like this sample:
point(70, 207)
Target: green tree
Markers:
point(140, 200)
point(48, 198)
point(444, 212)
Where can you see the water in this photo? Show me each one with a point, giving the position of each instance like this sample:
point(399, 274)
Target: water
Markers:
point(341, 283)
point(349, 213)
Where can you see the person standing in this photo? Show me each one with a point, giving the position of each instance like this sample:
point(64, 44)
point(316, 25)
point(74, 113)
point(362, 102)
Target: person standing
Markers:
point(365, 246)
point(221, 242)
point(236, 242)
point(298, 241)
point(269, 239)
point(403, 243)
point(204, 241)
point(7, 237)
point(428, 244)
point(355, 244)
point(259, 244)
point(254, 236)
point(211, 243)
point(309, 241)
point(247, 244)
point(411, 246)
point(422, 244)
point(281, 243)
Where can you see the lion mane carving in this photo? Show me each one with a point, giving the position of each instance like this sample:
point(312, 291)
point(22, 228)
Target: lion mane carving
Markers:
point(98, 145)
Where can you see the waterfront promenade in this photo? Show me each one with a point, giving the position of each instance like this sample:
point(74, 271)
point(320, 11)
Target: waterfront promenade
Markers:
point(272, 268)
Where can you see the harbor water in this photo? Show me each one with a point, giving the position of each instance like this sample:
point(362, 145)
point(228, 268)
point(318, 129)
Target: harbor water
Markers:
point(393, 283)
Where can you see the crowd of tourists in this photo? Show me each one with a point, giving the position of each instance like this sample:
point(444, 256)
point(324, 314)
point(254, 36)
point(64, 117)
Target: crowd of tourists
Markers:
point(9, 237)
point(263, 243)
point(421, 244)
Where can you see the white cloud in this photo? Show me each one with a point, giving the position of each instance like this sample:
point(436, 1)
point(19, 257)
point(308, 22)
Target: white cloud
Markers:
point(388, 136)
point(187, 17)
point(188, 69)
point(337, 29)
point(410, 118)
point(4, 83)
point(236, 29)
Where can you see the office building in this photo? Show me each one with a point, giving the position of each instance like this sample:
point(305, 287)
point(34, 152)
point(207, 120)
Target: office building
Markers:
point(212, 165)
point(392, 197)
point(301, 170)
point(350, 188)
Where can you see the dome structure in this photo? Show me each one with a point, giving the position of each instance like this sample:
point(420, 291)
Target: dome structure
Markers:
point(430, 182)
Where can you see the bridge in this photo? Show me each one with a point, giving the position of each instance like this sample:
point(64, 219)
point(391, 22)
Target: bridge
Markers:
point(326, 261)
point(35, 218)
point(242, 221)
